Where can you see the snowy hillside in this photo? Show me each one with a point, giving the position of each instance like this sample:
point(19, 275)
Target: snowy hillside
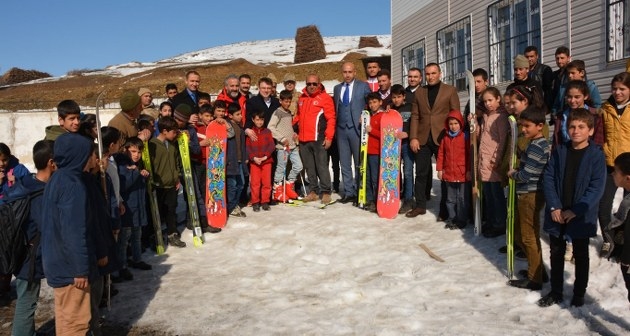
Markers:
point(279, 51)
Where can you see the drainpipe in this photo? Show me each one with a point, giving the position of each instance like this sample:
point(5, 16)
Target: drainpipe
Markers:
point(569, 27)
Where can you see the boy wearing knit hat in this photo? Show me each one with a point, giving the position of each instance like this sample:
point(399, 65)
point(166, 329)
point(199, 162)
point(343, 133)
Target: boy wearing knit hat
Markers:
point(521, 71)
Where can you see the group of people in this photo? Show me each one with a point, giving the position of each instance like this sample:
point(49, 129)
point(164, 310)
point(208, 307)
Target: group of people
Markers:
point(281, 146)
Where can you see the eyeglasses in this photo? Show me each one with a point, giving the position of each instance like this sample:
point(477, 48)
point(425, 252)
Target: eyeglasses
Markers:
point(312, 84)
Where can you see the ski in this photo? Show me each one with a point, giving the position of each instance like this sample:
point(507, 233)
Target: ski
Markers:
point(509, 234)
point(153, 203)
point(365, 121)
point(182, 141)
point(476, 196)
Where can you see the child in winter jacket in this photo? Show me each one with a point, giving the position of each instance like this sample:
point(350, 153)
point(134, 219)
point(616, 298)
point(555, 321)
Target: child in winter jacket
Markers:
point(618, 230)
point(453, 167)
point(10, 169)
point(260, 162)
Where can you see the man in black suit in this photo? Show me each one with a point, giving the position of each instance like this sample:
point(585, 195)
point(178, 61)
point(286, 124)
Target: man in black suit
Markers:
point(262, 102)
point(189, 96)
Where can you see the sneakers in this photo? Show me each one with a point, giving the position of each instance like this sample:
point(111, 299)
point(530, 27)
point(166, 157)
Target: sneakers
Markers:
point(568, 253)
point(311, 197)
point(406, 207)
point(238, 212)
point(605, 248)
point(326, 198)
point(370, 206)
point(173, 240)
point(141, 265)
point(525, 284)
point(415, 212)
point(545, 276)
point(549, 300)
point(265, 206)
point(211, 229)
point(256, 207)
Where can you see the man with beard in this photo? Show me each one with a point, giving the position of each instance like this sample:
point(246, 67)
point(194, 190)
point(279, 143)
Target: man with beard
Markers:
point(244, 83)
point(146, 99)
point(231, 93)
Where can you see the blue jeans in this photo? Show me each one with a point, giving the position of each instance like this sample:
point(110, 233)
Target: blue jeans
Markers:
point(373, 168)
point(457, 202)
point(235, 185)
point(408, 160)
point(25, 305)
point(281, 167)
point(135, 235)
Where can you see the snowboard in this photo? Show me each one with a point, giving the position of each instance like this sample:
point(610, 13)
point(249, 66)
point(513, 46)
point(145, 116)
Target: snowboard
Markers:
point(476, 195)
point(193, 211)
point(388, 194)
point(362, 194)
point(153, 203)
point(216, 203)
point(509, 234)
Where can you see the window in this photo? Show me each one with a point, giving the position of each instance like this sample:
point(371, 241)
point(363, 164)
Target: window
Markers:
point(454, 52)
point(618, 29)
point(513, 25)
point(413, 57)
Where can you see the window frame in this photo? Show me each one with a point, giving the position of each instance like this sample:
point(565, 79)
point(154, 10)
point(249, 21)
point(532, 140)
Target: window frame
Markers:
point(612, 55)
point(500, 68)
point(450, 65)
point(420, 63)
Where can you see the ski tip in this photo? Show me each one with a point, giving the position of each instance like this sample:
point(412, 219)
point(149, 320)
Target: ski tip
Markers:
point(197, 241)
point(159, 250)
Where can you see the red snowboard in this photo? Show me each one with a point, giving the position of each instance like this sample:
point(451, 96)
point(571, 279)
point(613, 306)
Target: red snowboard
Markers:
point(216, 202)
point(388, 195)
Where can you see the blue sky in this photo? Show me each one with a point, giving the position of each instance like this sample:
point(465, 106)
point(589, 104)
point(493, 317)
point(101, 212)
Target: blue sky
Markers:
point(58, 36)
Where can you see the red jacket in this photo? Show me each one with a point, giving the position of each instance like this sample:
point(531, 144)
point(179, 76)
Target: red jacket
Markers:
point(374, 136)
point(224, 96)
point(315, 116)
point(264, 146)
point(453, 152)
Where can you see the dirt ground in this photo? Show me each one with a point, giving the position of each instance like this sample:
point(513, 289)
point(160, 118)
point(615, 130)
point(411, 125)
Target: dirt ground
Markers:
point(85, 88)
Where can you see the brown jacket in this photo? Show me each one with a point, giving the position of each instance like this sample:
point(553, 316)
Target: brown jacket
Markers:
point(424, 118)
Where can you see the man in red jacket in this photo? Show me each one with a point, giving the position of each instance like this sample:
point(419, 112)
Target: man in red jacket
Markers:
point(232, 94)
point(316, 121)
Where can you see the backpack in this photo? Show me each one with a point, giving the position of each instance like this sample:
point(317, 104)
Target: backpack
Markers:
point(14, 246)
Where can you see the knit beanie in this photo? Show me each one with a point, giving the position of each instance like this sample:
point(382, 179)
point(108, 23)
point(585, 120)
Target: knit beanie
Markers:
point(143, 91)
point(520, 61)
point(129, 100)
point(182, 112)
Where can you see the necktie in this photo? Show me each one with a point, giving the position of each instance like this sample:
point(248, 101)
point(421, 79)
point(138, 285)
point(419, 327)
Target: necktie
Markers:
point(346, 96)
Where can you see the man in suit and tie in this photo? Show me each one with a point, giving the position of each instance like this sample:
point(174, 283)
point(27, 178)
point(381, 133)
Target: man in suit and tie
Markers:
point(189, 96)
point(431, 105)
point(349, 98)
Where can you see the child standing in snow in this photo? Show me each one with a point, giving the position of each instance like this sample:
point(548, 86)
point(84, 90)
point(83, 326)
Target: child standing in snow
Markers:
point(281, 127)
point(453, 167)
point(493, 133)
point(573, 183)
point(530, 199)
point(619, 228)
point(260, 162)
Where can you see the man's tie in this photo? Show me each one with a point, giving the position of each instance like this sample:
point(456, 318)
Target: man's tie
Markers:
point(346, 96)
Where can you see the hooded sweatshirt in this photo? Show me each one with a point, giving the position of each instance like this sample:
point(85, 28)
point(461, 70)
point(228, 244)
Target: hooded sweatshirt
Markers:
point(15, 169)
point(453, 152)
point(66, 251)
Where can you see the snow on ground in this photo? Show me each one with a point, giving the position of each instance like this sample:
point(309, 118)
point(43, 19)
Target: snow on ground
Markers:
point(344, 271)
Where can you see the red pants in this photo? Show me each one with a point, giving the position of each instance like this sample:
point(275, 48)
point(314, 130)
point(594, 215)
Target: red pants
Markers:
point(260, 182)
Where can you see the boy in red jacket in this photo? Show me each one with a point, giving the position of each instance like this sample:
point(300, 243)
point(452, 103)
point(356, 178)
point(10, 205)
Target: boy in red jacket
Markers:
point(260, 162)
point(453, 167)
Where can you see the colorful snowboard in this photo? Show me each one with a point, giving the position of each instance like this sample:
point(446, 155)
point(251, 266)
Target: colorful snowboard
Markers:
point(193, 211)
point(388, 195)
point(509, 234)
point(153, 203)
point(476, 196)
point(365, 121)
point(216, 202)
